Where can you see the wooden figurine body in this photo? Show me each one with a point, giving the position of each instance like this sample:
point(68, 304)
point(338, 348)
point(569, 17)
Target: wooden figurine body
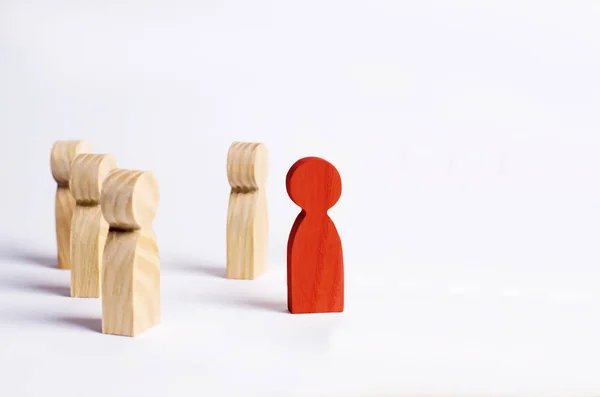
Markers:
point(247, 221)
point(61, 157)
point(89, 229)
point(315, 268)
point(131, 264)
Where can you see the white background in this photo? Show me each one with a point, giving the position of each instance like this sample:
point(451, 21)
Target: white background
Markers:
point(467, 136)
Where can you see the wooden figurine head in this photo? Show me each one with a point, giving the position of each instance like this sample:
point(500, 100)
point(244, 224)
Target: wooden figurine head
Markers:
point(314, 183)
point(61, 157)
point(129, 199)
point(247, 166)
point(88, 172)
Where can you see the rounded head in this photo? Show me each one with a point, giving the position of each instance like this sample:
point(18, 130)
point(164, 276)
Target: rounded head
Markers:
point(129, 199)
point(247, 165)
point(314, 184)
point(88, 172)
point(61, 156)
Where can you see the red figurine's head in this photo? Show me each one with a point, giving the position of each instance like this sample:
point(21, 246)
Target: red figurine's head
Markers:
point(314, 184)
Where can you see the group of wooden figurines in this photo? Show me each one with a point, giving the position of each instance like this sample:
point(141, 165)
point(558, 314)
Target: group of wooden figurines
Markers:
point(105, 236)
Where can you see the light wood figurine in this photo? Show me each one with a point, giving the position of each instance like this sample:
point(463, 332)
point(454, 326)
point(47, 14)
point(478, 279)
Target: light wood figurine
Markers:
point(130, 265)
point(247, 221)
point(89, 229)
point(61, 157)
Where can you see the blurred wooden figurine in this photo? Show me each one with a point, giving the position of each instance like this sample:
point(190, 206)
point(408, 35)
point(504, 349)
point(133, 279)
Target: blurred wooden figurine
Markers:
point(61, 156)
point(131, 264)
point(315, 268)
point(89, 229)
point(247, 221)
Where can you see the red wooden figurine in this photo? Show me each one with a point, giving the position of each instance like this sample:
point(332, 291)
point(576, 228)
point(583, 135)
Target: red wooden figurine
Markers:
point(315, 265)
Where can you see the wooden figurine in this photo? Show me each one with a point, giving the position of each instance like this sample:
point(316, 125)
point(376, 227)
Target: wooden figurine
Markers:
point(131, 264)
point(315, 268)
point(61, 156)
point(247, 221)
point(89, 229)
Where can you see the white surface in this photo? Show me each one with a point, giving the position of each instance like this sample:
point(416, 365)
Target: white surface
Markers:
point(466, 134)
point(430, 331)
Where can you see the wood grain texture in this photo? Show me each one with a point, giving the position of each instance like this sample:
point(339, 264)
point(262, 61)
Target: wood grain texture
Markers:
point(89, 229)
point(247, 219)
point(131, 264)
point(315, 266)
point(61, 157)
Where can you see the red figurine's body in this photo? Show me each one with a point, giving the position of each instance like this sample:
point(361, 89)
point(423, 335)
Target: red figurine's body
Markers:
point(315, 266)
